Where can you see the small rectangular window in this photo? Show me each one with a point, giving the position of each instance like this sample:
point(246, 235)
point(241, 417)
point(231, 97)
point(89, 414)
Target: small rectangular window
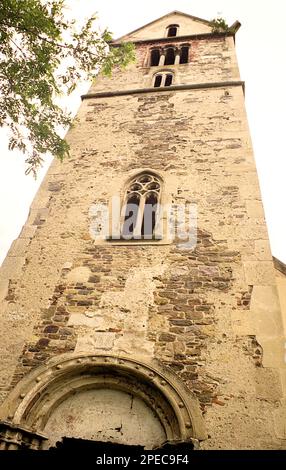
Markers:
point(184, 59)
point(155, 57)
point(172, 31)
point(158, 81)
point(169, 79)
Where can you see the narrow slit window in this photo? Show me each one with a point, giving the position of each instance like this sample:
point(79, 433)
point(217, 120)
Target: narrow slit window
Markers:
point(172, 31)
point(149, 216)
point(184, 59)
point(170, 56)
point(155, 57)
point(131, 215)
point(169, 80)
point(158, 81)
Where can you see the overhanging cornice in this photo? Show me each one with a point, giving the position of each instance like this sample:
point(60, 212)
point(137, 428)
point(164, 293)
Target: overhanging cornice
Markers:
point(195, 86)
point(180, 38)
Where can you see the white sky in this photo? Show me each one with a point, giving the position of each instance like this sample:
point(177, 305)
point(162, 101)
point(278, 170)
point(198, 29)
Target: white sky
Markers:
point(261, 46)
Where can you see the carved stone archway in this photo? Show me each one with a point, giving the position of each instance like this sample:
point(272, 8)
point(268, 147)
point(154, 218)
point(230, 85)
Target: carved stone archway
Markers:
point(37, 396)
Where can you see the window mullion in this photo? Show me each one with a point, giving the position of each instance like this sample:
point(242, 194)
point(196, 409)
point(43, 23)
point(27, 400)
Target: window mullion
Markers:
point(162, 58)
point(177, 56)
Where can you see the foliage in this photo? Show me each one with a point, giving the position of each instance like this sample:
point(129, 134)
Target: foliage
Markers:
point(219, 25)
point(44, 55)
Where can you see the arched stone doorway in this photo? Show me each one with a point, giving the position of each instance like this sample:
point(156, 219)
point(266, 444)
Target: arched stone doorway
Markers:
point(102, 398)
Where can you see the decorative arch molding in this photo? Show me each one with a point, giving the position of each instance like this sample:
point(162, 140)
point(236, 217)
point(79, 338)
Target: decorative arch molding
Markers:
point(137, 173)
point(34, 399)
point(142, 171)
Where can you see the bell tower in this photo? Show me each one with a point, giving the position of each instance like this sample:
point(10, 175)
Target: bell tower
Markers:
point(139, 303)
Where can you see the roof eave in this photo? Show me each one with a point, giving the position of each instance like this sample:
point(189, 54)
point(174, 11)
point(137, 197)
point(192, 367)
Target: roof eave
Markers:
point(279, 265)
point(179, 38)
point(235, 27)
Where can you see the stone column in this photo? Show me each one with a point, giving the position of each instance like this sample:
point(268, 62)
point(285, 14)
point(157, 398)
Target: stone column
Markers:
point(178, 56)
point(162, 57)
point(14, 437)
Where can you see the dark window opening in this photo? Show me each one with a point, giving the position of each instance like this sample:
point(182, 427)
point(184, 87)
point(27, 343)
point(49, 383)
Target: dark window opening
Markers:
point(155, 57)
point(141, 209)
point(169, 79)
point(170, 57)
point(131, 215)
point(145, 179)
point(149, 216)
point(184, 59)
point(158, 81)
point(172, 31)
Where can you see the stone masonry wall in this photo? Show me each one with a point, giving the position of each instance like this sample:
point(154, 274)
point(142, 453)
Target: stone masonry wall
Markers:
point(211, 60)
point(211, 313)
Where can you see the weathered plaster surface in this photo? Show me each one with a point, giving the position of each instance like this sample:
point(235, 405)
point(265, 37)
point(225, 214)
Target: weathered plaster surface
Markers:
point(108, 416)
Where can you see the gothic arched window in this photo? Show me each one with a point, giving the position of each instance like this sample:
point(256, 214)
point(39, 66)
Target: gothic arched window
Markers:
point(141, 207)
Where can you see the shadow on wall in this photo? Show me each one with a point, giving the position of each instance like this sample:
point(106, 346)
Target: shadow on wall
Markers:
point(106, 450)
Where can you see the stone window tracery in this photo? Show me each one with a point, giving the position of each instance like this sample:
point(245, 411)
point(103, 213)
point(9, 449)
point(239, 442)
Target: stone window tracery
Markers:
point(141, 207)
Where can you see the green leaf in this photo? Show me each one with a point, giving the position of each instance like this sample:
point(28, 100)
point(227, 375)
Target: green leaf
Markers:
point(36, 41)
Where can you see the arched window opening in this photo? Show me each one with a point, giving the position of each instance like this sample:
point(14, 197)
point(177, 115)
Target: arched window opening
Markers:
point(184, 59)
point(170, 56)
point(131, 213)
point(169, 79)
point(172, 30)
point(149, 216)
point(163, 79)
point(155, 57)
point(141, 208)
point(158, 81)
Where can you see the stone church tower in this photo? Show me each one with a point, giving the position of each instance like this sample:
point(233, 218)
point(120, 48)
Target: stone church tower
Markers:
point(154, 337)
